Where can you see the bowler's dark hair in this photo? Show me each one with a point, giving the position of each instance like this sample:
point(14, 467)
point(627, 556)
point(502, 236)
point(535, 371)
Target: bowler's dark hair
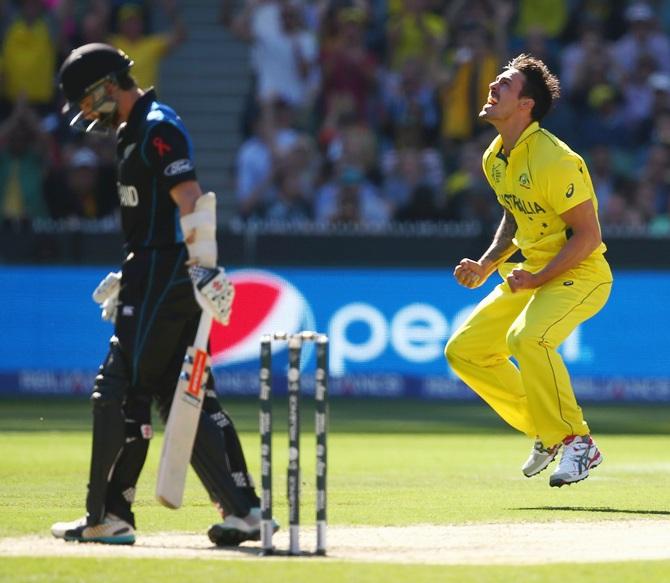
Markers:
point(541, 85)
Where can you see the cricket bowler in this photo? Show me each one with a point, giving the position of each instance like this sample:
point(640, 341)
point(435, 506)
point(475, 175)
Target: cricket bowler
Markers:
point(550, 215)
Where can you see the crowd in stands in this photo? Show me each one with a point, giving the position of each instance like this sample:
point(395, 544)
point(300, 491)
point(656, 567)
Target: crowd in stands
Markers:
point(361, 111)
point(48, 172)
point(365, 111)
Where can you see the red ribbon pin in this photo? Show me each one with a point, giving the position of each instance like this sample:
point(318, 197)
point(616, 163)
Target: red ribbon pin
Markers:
point(161, 146)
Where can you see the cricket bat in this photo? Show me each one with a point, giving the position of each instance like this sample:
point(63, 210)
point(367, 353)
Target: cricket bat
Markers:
point(183, 419)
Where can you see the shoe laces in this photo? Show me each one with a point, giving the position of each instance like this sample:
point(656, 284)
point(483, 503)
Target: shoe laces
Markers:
point(539, 447)
point(576, 446)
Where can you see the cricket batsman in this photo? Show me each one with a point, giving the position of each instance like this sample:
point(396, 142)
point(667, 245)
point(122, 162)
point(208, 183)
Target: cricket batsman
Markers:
point(168, 225)
point(550, 215)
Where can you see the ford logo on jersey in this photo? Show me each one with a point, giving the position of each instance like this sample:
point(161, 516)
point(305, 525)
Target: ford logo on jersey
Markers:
point(178, 167)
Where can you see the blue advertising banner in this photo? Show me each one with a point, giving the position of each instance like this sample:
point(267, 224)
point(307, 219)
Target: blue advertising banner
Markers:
point(387, 331)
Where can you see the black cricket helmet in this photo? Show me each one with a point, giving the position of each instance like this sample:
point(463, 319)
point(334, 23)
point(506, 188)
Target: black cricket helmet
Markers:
point(84, 72)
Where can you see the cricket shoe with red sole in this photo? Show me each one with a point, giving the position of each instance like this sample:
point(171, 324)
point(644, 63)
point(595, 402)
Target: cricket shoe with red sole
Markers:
point(235, 530)
point(111, 531)
point(580, 454)
point(540, 457)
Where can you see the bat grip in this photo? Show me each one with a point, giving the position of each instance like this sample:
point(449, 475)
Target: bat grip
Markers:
point(202, 335)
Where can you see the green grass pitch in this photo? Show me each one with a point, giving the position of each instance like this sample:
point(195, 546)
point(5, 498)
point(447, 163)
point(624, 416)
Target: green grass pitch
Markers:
point(391, 463)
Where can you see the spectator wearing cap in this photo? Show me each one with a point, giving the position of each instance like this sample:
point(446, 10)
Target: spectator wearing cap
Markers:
point(259, 157)
point(284, 53)
point(254, 174)
point(92, 28)
point(351, 199)
point(413, 31)
point(78, 190)
point(586, 60)
point(604, 121)
point(349, 70)
point(638, 99)
point(82, 181)
point(464, 79)
point(549, 16)
point(23, 155)
point(660, 86)
point(620, 212)
point(291, 205)
point(406, 173)
point(467, 192)
point(146, 50)
point(661, 132)
point(347, 141)
point(654, 175)
point(28, 58)
point(588, 64)
point(608, 181)
point(410, 109)
point(642, 37)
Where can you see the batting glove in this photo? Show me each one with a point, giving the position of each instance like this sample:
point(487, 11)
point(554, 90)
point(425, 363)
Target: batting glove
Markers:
point(107, 295)
point(214, 292)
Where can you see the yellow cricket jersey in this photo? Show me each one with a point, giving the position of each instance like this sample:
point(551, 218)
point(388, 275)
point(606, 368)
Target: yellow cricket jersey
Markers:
point(147, 53)
point(29, 61)
point(540, 179)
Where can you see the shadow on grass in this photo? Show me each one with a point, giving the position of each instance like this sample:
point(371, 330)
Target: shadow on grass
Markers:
point(605, 509)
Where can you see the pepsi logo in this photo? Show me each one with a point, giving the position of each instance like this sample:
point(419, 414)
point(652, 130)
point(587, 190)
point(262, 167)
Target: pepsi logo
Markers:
point(264, 303)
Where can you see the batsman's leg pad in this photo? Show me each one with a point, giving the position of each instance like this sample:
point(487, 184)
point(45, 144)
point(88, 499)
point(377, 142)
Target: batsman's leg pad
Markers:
point(109, 391)
point(138, 432)
point(210, 462)
point(234, 451)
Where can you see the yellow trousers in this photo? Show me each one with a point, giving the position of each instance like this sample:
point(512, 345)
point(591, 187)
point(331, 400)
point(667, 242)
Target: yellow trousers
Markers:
point(535, 397)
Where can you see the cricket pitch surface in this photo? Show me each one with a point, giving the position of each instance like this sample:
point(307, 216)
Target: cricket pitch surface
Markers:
point(515, 543)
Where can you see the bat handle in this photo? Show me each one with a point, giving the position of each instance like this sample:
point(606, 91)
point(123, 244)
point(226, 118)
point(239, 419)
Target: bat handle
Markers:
point(202, 335)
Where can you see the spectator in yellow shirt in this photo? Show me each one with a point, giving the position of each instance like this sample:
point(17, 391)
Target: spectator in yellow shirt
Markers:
point(146, 50)
point(28, 57)
point(415, 32)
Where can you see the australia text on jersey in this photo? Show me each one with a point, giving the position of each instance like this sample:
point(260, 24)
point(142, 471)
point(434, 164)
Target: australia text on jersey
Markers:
point(512, 201)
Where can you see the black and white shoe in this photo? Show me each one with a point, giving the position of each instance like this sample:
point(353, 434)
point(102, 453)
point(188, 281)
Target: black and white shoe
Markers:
point(235, 530)
point(111, 531)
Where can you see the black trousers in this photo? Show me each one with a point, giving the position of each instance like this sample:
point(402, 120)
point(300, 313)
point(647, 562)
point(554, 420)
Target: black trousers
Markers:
point(156, 321)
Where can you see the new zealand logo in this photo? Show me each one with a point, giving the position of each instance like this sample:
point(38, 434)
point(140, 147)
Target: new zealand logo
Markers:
point(570, 191)
point(524, 180)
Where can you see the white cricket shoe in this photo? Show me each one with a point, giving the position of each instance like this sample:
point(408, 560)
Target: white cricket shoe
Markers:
point(111, 531)
point(580, 454)
point(540, 457)
point(235, 530)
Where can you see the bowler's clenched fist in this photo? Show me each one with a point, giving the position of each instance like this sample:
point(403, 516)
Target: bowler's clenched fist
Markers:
point(470, 273)
point(520, 279)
